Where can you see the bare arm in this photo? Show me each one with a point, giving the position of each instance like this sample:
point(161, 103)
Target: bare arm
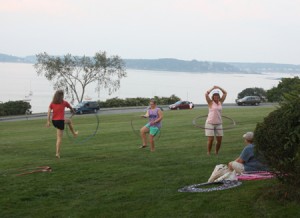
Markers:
point(146, 114)
point(48, 117)
point(240, 160)
point(72, 110)
point(160, 116)
point(208, 99)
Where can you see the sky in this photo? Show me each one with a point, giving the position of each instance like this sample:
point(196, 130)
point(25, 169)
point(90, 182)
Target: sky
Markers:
point(204, 30)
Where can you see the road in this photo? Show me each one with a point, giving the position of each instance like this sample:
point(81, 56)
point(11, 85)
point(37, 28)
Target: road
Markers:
point(124, 110)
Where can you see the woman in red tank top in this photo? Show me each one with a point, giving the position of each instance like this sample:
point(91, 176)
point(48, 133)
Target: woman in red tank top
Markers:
point(58, 106)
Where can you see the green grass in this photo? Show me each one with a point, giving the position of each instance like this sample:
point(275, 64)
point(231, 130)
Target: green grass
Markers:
point(108, 176)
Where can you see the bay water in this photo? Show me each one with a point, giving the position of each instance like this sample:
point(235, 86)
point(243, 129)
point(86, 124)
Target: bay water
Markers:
point(20, 81)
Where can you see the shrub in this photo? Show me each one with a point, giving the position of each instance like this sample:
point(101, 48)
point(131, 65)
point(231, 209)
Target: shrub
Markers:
point(117, 102)
point(14, 108)
point(276, 94)
point(277, 138)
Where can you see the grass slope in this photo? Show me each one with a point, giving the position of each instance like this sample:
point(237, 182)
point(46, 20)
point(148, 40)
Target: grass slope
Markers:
point(108, 176)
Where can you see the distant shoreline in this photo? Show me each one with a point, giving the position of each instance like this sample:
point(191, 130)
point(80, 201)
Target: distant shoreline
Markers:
point(192, 66)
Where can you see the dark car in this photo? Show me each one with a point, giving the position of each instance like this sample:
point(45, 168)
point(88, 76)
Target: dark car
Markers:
point(249, 100)
point(181, 105)
point(87, 107)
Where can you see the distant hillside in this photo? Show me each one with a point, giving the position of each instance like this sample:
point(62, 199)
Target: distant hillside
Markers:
point(168, 64)
point(194, 66)
point(267, 67)
point(14, 59)
point(205, 66)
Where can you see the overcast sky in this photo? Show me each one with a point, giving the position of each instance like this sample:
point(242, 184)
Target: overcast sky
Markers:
point(212, 30)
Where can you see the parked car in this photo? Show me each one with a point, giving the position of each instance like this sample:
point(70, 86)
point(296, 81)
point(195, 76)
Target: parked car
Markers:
point(87, 107)
point(181, 105)
point(249, 100)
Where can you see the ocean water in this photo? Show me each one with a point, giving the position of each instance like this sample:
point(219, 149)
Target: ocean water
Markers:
point(21, 82)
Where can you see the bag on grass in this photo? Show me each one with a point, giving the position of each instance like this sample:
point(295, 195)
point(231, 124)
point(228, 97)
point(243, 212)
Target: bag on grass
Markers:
point(221, 172)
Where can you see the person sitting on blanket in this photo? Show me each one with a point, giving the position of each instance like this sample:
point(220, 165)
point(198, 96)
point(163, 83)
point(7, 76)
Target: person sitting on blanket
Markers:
point(247, 161)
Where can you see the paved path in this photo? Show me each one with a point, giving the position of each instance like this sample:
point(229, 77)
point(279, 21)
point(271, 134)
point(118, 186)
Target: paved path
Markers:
point(124, 110)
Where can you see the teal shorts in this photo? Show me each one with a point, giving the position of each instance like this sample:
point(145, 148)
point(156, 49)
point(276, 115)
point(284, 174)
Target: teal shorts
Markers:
point(154, 130)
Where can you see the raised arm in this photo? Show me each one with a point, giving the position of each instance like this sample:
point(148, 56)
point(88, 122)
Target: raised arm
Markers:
point(208, 99)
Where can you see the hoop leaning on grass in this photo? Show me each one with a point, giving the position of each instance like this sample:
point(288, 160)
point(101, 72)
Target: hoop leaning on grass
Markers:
point(228, 124)
point(93, 131)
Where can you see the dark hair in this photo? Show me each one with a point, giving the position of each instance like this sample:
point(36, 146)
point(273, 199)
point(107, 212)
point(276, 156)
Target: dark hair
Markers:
point(217, 94)
point(58, 97)
point(153, 101)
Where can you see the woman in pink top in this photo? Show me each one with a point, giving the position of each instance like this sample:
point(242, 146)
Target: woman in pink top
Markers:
point(213, 125)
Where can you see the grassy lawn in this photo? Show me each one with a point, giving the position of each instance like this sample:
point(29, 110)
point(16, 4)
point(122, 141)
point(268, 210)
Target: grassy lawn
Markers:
point(108, 176)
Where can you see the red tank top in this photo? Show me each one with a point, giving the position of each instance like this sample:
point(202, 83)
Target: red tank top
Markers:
point(59, 110)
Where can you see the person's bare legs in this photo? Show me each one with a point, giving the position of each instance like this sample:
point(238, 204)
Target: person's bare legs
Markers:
point(218, 144)
point(210, 140)
point(70, 124)
point(144, 130)
point(151, 137)
point(59, 135)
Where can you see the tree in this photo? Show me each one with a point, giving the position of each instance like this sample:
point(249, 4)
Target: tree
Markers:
point(286, 85)
point(253, 92)
point(277, 138)
point(73, 74)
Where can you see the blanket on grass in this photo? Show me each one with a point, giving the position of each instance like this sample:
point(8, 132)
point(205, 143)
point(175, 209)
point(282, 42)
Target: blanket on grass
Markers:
point(255, 175)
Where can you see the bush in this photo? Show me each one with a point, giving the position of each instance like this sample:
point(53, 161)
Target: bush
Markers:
point(14, 108)
point(130, 102)
point(285, 86)
point(277, 138)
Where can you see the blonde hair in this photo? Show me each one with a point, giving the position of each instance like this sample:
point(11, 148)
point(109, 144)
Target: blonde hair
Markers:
point(58, 97)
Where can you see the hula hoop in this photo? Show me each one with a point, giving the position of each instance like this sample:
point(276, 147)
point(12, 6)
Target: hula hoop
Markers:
point(88, 137)
point(37, 170)
point(232, 125)
point(223, 185)
point(156, 138)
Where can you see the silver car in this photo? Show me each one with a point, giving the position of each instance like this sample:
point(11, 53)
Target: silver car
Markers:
point(249, 100)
